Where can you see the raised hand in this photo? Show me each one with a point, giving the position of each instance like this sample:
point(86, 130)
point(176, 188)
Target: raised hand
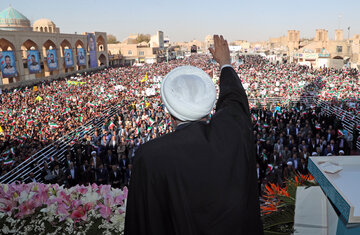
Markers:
point(220, 52)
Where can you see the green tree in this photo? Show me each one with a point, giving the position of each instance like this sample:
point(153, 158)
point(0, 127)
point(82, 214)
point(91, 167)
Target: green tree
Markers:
point(143, 38)
point(111, 39)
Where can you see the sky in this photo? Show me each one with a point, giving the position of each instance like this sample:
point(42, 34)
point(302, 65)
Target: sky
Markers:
point(185, 20)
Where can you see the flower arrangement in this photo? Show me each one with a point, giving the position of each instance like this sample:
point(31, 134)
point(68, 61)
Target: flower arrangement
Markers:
point(52, 209)
point(278, 209)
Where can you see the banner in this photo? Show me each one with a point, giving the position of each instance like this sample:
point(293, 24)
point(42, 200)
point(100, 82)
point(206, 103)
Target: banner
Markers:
point(51, 59)
point(8, 65)
point(68, 57)
point(92, 50)
point(33, 61)
point(81, 56)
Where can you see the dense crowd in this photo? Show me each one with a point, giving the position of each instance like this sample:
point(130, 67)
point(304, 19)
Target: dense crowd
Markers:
point(265, 80)
point(33, 118)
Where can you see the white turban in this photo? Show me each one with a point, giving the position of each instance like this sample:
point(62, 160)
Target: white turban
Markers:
point(188, 93)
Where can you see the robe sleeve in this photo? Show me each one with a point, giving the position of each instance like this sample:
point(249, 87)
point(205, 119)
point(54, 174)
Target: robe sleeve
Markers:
point(232, 93)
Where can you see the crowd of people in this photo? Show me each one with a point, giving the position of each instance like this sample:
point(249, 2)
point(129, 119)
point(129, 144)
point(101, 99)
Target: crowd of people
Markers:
point(33, 118)
point(287, 137)
point(266, 80)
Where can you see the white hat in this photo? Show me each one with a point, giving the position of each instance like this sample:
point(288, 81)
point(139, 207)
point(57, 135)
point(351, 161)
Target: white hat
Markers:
point(188, 93)
point(289, 163)
point(341, 151)
point(93, 152)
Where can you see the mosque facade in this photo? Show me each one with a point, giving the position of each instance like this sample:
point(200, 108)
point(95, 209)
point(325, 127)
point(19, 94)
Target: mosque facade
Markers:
point(32, 52)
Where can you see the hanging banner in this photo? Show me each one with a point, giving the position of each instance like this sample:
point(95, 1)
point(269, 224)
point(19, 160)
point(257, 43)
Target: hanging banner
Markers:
point(92, 50)
point(8, 65)
point(68, 57)
point(81, 56)
point(33, 61)
point(51, 59)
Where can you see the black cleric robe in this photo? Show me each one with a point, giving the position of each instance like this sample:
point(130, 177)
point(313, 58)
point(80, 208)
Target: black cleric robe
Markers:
point(200, 179)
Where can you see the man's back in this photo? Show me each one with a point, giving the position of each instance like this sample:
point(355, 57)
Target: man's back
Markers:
point(200, 179)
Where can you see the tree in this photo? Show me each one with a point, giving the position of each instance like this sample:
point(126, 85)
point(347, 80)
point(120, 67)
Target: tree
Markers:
point(143, 38)
point(111, 39)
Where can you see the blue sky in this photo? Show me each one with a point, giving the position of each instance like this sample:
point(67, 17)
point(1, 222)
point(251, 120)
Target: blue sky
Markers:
point(184, 20)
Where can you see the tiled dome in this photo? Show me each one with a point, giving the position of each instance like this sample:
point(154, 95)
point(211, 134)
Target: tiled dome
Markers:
point(11, 19)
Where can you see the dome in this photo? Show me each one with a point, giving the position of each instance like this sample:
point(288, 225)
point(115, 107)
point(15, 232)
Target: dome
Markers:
point(11, 19)
point(45, 25)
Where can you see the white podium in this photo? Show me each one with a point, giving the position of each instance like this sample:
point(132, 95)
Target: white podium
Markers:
point(335, 208)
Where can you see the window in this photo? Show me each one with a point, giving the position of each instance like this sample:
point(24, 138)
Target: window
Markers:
point(339, 49)
point(141, 52)
point(129, 52)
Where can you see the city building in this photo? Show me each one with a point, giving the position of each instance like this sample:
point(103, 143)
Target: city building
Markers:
point(131, 51)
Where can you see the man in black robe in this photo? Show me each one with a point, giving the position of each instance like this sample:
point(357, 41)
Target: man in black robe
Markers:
point(200, 179)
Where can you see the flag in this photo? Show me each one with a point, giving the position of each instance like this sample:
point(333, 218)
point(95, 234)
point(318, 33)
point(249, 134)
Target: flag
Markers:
point(266, 125)
point(151, 121)
point(4, 154)
point(38, 98)
point(8, 162)
point(111, 125)
point(28, 122)
point(88, 128)
point(254, 117)
point(340, 132)
point(317, 127)
point(54, 125)
point(137, 131)
point(145, 78)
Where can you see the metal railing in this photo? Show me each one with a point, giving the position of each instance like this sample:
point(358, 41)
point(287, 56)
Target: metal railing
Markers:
point(349, 120)
point(57, 148)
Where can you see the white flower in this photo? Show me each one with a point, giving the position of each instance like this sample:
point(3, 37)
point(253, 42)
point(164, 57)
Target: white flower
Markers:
point(90, 197)
point(5, 188)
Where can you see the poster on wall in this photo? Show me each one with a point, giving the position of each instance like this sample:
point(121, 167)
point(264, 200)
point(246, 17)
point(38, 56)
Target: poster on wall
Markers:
point(33, 61)
point(8, 65)
point(81, 56)
point(51, 59)
point(68, 57)
point(92, 50)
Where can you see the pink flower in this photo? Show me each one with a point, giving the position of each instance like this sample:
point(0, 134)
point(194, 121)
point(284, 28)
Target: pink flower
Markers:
point(125, 191)
point(94, 187)
point(104, 211)
point(82, 189)
point(27, 208)
point(79, 214)
point(88, 206)
point(105, 189)
point(63, 209)
point(75, 203)
point(7, 206)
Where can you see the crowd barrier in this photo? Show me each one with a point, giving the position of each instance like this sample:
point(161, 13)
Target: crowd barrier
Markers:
point(57, 148)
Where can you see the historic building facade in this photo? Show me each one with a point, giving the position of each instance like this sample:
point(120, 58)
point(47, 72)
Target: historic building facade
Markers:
point(19, 38)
